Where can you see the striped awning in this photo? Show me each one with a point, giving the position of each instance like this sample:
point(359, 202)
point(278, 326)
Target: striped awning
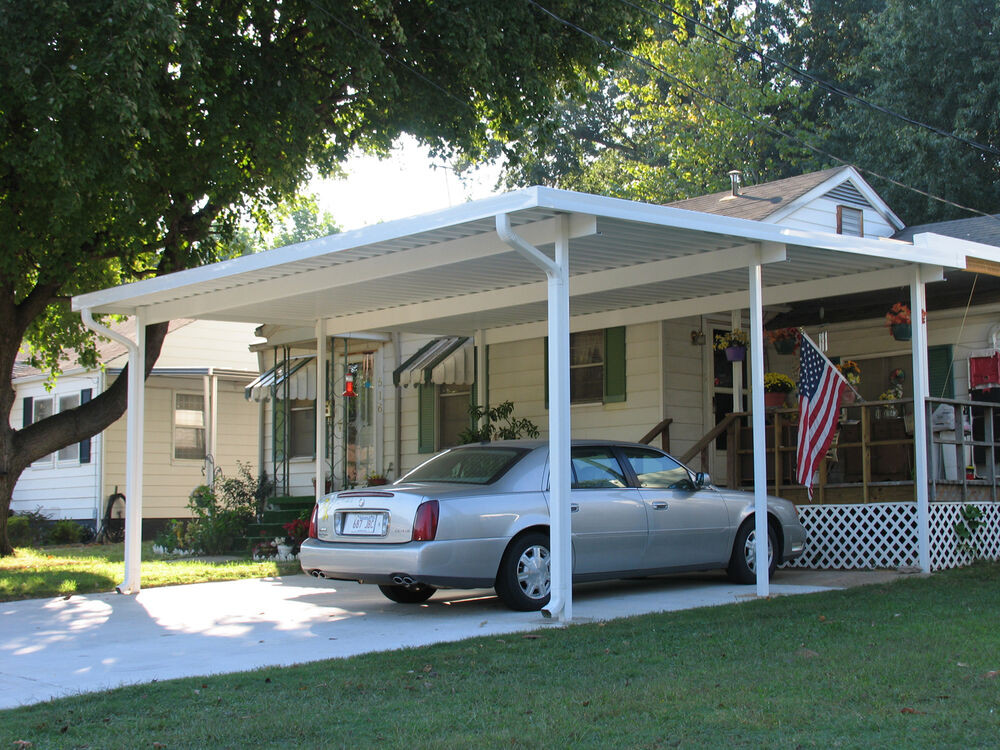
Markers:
point(294, 378)
point(445, 361)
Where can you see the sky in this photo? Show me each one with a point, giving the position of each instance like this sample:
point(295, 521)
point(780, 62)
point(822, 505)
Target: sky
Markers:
point(406, 184)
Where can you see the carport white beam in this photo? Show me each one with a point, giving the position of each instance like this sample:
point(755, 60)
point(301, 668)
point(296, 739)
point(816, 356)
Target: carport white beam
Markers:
point(670, 269)
point(776, 295)
point(398, 263)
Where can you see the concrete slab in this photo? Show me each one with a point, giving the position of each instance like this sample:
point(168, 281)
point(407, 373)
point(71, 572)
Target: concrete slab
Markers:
point(56, 647)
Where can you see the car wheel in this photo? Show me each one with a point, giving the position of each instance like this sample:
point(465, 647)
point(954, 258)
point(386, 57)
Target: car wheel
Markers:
point(408, 594)
point(743, 564)
point(524, 579)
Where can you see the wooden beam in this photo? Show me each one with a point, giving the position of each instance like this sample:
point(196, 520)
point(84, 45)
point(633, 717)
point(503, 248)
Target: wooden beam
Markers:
point(981, 265)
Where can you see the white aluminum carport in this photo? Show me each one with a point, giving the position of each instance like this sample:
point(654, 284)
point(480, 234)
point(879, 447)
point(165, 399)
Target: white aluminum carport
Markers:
point(529, 263)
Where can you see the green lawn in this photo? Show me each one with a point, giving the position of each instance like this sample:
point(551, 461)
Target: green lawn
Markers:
point(911, 664)
point(83, 569)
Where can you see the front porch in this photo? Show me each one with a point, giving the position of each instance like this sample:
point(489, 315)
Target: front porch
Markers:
point(863, 512)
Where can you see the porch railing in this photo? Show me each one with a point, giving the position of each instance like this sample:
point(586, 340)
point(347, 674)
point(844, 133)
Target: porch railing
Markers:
point(871, 459)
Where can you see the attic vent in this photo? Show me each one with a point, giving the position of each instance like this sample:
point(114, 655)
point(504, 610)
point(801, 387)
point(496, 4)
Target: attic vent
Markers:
point(847, 193)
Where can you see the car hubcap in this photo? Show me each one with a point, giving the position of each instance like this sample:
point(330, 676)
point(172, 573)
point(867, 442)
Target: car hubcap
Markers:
point(750, 550)
point(533, 572)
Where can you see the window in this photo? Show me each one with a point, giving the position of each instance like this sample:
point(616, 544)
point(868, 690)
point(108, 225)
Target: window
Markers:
point(596, 468)
point(850, 221)
point(596, 366)
point(40, 409)
point(302, 415)
point(442, 415)
point(189, 426)
point(70, 452)
point(657, 471)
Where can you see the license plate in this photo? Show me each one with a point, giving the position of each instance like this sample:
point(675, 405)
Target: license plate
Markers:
point(364, 524)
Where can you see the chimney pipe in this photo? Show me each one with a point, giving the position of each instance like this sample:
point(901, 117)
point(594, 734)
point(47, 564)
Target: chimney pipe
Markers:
point(734, 176)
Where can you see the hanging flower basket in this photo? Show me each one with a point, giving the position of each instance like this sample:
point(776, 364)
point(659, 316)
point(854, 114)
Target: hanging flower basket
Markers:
point(898, 320)
point(785, 340)
point(736, 353)
point(901, 331)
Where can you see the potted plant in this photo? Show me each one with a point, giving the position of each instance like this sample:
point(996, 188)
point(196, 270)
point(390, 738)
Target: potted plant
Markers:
point(898, 321)
point(776, 387)
point(893, 393)
point(851, 371)
point(733, 343)
point(785, 340)
point(375, 480)
point(298, 531)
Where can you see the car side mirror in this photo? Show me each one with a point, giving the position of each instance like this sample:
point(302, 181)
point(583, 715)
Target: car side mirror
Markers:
point(702, 479)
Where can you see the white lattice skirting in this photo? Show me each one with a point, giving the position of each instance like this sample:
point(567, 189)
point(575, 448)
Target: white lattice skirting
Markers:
point(884, 535)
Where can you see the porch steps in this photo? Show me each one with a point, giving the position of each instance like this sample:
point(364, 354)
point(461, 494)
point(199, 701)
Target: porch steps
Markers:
point(278, 512)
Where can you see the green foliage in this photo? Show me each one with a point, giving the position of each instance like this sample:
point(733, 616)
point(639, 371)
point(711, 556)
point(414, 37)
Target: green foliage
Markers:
point(497, 423)
point(28, 528)
point(171, 537)
point(220, 517)
point(245, 490)
point(65, 531)
point(970, 519)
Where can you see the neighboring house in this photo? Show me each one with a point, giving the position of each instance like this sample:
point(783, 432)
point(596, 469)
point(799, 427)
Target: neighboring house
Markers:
point(195, 417)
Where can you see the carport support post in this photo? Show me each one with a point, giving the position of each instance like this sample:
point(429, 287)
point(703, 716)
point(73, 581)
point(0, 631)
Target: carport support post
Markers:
point(921, 388)
point(321, 394)
point(560, 542)
point(757, 411)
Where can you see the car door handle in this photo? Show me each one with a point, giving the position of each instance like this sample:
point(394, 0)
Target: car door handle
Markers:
point(574, 507)
point(660, 505)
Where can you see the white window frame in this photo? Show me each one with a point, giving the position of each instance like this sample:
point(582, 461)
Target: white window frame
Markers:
point(45, 462)
point(74, 398)
point(174, 427)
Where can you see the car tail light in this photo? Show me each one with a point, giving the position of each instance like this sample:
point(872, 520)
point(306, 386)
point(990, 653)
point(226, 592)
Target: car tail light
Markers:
point(312, 523)
point(425, 522)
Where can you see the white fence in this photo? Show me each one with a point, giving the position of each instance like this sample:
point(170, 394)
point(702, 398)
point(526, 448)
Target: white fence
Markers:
point(884, 535)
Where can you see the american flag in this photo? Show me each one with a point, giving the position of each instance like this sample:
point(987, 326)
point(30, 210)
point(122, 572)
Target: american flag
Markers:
point(820, 386)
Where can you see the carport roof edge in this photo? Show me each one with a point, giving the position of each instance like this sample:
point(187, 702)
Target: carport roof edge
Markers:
point(524, 206)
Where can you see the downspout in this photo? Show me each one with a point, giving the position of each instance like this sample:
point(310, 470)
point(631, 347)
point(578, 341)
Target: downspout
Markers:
point(133, 445)
point(398, 407)
point(561, 599)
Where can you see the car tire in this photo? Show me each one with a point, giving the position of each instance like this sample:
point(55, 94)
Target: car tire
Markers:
point(741, 565)
point(408, 594)
point(524, 579)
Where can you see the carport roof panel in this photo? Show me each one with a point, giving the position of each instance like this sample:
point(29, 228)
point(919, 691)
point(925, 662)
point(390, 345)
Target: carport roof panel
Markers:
point(282, 285)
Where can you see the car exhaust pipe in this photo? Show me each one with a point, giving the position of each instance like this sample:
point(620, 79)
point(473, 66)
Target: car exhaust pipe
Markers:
point(401, 579)
point(317, 574)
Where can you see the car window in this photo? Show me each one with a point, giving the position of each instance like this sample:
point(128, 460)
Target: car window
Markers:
point(596, 468)
point(483, 465)
point(656, 470)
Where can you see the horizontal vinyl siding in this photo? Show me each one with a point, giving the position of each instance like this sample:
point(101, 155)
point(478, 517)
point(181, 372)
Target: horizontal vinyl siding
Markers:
point(685, 384)
point(59, 489)
point(821, 215)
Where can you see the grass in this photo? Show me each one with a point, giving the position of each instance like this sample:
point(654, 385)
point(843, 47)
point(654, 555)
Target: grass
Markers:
point(84, 569)
point(908, 664)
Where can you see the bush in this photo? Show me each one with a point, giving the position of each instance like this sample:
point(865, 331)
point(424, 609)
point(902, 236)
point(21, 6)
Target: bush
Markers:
point(66, 532)
point(27, 529)
point(171, 537)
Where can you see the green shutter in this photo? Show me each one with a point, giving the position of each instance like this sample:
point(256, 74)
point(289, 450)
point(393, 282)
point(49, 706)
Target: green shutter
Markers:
point(941, 377)
point(614, 364)
point(425, 419)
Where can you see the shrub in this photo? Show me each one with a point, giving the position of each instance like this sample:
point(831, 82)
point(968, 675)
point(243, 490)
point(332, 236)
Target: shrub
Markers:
point(29, 531)
point(498, 423)
point(66, 531)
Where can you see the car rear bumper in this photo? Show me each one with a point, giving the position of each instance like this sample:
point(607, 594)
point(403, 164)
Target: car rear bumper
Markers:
point(453, 564)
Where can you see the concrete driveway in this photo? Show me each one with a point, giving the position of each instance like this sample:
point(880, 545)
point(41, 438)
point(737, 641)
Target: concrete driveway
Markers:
point(56, 647)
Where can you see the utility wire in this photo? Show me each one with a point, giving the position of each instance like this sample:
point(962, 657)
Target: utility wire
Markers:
point(745, 115)
point(805, 76)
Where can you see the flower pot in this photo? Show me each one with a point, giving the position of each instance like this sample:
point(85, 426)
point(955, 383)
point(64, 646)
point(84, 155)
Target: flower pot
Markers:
point(736, 353)
point(785, 346)
point(774, 399)
point(902, 331)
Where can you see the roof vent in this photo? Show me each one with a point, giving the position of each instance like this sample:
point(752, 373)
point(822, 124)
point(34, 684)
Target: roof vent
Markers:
point(734, 176)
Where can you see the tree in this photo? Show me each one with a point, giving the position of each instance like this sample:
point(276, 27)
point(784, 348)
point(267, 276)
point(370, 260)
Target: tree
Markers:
point(134, 133)
point(674, 116)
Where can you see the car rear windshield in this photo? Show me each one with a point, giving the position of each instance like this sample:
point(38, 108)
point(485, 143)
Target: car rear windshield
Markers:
point(466, 466)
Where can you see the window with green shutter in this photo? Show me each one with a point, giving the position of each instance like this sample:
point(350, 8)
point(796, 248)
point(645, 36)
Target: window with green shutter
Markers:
point(596, 366)
point(941, 376)
point(425, 419)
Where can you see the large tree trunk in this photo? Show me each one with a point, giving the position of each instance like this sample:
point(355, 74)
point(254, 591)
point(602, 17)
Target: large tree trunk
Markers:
point(19, 448)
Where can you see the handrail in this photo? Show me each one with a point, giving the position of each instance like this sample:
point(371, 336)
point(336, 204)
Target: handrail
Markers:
point(708, 437)
point(663, 428)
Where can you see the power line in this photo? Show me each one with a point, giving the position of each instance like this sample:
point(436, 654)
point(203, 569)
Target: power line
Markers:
point(745, 115)
point(809, 77)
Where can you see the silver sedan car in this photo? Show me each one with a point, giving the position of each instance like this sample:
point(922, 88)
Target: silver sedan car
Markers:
point(477, 516)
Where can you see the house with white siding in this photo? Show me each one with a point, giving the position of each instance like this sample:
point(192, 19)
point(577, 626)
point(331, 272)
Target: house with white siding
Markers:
point(196, 418)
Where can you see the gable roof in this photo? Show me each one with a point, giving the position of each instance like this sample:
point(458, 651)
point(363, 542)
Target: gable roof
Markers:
point(982, 229)
point(757, 202)
point(772, 201)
